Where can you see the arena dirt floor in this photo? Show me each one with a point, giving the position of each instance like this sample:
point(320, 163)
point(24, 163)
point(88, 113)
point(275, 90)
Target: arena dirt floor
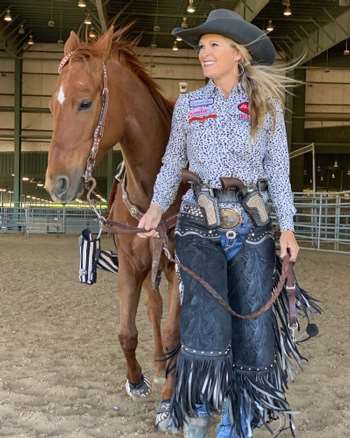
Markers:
point(62, 370)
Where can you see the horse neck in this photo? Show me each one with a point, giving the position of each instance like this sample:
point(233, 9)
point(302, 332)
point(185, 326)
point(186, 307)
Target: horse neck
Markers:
point(145, 134)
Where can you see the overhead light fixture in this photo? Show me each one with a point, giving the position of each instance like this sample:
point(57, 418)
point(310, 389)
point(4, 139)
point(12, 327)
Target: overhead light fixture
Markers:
point(82, 4)
point(8, 16)
point(51, 23)
point(175, 48)
point(178, 38)
point(287, 9)
point(184, 24)
point(269, 27)
point(25, 178)
point(87, 19)
point(191, 8)
point(346, 50)
point(21, 30)
point(30, 41)
point(333, 176)
point(92, 34)
point(40, 185)
point(156, 28)
point(335, 164)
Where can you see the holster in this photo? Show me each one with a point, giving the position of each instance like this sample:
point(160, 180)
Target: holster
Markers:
point(205, 198)
point(255, 206)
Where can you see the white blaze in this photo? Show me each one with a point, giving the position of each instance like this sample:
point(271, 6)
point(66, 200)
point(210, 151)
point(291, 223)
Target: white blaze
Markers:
point(60, 96)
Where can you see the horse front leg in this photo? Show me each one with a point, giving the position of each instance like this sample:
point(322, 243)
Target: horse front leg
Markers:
point(155, 313)
point(130, 281)
point(171, 343)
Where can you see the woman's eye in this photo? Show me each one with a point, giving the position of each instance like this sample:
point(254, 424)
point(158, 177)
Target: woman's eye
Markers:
point(85, 105)
point(200, 47)
point(214, 44)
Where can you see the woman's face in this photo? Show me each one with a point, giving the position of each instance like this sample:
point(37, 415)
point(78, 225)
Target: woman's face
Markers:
point(217, 56)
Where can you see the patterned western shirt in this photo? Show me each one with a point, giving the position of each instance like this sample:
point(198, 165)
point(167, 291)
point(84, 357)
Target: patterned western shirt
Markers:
point(211, 134)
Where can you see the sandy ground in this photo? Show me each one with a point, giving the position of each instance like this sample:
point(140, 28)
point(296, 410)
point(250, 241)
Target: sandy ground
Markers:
point(62, 370)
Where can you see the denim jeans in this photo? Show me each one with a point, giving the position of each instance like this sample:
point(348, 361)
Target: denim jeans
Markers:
point(225, 428)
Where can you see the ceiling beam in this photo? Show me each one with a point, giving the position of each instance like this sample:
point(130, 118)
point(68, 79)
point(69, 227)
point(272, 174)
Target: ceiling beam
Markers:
point(101, 11)
point(249, 9)
point(324, 37)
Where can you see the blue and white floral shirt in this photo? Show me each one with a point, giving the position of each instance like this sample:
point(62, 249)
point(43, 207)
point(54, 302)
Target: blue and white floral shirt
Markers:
point(211, 134)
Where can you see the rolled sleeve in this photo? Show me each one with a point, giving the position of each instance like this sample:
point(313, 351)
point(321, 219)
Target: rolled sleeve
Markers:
point(174, 159)
point(276, 165)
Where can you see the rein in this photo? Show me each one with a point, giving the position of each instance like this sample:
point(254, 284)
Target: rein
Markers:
point(161, 244)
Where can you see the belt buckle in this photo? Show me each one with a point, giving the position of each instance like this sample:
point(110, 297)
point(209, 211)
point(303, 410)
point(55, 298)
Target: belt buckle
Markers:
point(230, 217)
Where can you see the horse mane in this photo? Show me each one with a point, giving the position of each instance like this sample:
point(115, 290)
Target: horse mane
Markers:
point(125, 49)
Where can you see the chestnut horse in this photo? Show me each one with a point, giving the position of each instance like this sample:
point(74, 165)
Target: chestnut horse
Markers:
point(139, 118)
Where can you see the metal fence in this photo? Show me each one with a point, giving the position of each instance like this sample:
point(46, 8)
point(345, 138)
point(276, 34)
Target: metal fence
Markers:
point(322, 221)
point(47, 220)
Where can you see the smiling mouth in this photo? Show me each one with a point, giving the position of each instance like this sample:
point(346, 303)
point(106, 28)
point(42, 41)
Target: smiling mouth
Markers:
point(208, 63)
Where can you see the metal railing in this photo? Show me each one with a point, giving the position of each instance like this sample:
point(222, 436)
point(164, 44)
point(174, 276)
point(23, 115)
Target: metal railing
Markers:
point(46, 220)
point(322, 221)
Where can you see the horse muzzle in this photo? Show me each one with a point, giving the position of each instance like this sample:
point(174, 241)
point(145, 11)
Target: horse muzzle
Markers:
point(63, 189)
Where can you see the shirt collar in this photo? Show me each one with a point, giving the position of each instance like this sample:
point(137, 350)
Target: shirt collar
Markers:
point(212, 89)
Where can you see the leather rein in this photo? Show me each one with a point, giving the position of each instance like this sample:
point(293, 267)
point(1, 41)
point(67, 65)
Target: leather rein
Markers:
point(161, 244)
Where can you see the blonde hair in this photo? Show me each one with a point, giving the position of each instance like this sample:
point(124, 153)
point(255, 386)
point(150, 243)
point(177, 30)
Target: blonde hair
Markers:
point(264, 84)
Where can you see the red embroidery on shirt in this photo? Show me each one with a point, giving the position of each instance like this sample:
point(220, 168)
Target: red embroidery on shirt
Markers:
point(202, 118)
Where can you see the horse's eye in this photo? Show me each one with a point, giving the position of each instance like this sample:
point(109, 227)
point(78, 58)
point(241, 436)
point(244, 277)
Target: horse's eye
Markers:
point(85, 105)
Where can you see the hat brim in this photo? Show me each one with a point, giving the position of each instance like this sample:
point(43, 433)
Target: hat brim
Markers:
point(239, 30)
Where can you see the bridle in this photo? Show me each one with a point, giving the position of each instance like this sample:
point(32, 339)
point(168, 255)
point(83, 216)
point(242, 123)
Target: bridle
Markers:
point(98, 133)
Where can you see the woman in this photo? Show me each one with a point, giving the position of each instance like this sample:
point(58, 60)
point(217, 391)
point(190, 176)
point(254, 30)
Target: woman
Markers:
point(233, 128)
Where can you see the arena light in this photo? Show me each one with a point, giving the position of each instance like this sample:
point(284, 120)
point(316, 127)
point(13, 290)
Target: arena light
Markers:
point(178, 38)
point(184, 24)
point(30, 40)
point(346, 50)
point(92, 34)
point(40, 185)
point(191, 8)
point(287, 9)
point(87, 19)
point(269, 27)
point(21, 30)
point(81, 4)
point(8, 16)
point(25, 178)
point(175, 48)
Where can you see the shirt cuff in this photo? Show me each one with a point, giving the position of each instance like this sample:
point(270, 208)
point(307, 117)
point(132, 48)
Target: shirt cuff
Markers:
point(163, 206)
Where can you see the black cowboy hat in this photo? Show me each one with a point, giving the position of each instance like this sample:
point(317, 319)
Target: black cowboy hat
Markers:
point(233, 26)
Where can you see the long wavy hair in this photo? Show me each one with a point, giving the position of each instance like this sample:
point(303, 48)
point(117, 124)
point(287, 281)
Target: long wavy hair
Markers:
point(265, 85)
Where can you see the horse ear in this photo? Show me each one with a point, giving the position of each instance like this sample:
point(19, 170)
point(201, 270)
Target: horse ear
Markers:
point(72, 43)
point(104, 43)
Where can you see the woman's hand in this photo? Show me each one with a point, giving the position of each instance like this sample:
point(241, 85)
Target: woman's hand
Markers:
point(288, 242)
point(150, 221)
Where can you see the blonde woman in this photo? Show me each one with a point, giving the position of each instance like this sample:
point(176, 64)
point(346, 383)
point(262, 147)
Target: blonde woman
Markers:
point(233, 128)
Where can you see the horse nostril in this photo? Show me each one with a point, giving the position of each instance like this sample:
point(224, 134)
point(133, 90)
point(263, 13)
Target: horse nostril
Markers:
point(62, 184)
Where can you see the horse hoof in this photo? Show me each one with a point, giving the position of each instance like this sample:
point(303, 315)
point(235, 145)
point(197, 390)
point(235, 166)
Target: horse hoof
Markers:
point(164, 423)
point(159, 380)
point(140, 390)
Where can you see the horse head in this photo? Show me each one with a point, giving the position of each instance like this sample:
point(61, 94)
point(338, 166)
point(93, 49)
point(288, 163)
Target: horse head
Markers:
point(75, 106)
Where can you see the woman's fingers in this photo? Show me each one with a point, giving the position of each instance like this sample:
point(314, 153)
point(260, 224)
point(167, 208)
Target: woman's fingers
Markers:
point(289, 244)
point(150, 221)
